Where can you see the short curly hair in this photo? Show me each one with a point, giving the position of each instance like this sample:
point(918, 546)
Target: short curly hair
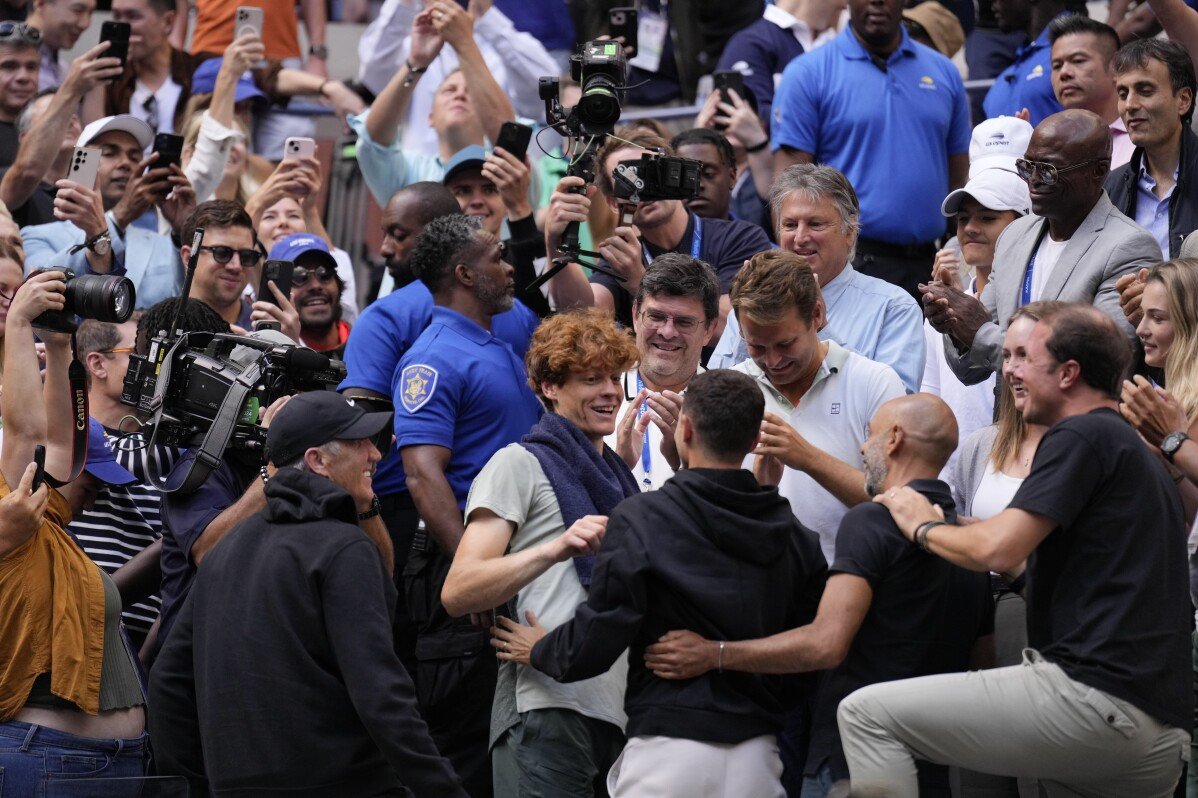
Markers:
point(442, 244)
point(581, 340)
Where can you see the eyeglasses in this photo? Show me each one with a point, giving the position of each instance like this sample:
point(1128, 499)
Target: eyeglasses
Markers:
point(118, 350)
point(301, 274)
point(657, 320)
point(1048, 173)
point(19, 30)
point(222, 255)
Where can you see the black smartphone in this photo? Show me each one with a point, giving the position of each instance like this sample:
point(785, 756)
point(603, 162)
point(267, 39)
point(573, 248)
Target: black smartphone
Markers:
point(514, 138)
point(39, 459)
point(621, 23)
point(280, 273)
point(724, 80)
point(117, 34)
point(169, 148)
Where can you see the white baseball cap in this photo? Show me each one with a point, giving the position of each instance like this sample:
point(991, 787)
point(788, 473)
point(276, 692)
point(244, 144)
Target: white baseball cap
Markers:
point(998, 142)
point(125, 123)
point(998, 189)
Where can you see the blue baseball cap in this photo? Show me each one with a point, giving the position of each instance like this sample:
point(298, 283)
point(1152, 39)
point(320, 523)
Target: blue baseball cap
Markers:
point(473, 156)
point(204, 82)
point(101, 462)
point(303, 245)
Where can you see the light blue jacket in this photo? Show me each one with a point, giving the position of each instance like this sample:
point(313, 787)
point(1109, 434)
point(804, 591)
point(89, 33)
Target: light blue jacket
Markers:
point(150, 260)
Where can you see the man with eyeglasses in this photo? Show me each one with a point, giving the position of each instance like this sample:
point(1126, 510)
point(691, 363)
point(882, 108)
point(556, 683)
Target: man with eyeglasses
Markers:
point(97, 234)
point(121, 530)
point(229, 252)
point(1072, 247)
point(674, 317)
point(315, 292)
point(19, 62)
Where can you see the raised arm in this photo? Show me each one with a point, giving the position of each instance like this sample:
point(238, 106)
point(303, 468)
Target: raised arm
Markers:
point(1179, 21)
point(389, 107)
point(490, 102)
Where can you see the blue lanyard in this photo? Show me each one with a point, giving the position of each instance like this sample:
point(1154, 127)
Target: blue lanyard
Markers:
point(1026, 296)
point(696, 240)
point(646, 455)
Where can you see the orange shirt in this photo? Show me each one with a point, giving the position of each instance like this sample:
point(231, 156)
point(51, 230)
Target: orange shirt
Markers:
point(214, 27)
point(51, 616)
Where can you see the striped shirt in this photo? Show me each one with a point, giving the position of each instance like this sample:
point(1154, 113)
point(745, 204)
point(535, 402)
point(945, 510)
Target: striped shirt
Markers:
point(125, 520)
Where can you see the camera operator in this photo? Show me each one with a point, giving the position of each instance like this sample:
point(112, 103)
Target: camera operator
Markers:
point(228, 255)
point(94, 234)
point(53, 703)
point(664, 226)
point(316, 665)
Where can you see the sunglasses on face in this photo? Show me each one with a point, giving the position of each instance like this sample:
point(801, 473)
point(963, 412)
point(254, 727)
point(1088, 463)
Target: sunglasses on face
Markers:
point(223, 255)
point(301, 274)
point(1048, 173)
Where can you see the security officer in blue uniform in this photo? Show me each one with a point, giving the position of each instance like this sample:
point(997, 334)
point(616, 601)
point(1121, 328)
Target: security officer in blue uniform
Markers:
point(1027, 83)
point(460, 395)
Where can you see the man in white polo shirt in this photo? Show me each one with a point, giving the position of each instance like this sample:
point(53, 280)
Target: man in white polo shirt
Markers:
point(819, 396)
point(674, 316)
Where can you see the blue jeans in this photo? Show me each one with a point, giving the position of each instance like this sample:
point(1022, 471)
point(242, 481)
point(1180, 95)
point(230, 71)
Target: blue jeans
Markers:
point(37, 762)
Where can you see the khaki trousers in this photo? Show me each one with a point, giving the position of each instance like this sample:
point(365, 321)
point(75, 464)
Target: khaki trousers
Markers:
point(1026, 720)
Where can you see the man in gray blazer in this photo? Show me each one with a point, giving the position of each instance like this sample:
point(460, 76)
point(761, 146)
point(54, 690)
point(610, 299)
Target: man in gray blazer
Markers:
point(1072, 247)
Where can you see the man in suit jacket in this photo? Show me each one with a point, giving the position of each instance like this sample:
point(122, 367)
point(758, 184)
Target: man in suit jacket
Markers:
point(1072, 247)
point(96, 235)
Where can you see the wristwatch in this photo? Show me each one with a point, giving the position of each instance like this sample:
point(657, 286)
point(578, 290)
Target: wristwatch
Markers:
point(100, 243)
point(319, 51)
point(376, 509)
point(1172, 443)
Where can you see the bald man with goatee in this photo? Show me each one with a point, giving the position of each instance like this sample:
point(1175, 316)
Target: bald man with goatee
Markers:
point(889, 611)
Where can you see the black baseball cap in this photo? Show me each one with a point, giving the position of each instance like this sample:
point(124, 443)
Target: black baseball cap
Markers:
point(318, 417)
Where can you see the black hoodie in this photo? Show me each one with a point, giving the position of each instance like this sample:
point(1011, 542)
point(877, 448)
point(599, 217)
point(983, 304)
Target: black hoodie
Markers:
point(712, 552)
point(282, 664)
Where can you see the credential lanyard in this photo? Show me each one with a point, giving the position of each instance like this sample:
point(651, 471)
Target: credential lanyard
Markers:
point(696, 240)
point(1026, 295)
point(646, 450)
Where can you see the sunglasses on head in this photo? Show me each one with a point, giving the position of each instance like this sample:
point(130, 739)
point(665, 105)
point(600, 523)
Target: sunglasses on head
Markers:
point(301, 274)
point(19, 30)
point(222, 255)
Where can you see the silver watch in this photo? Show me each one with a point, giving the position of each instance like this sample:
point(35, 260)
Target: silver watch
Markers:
point(1172, 443)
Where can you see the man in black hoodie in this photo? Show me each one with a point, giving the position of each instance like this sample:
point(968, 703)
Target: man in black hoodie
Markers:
point(710, 550)
point(281, 674)
point(890, 611)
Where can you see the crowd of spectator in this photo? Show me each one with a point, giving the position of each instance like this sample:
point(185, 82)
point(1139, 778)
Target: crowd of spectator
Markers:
point(865, 468)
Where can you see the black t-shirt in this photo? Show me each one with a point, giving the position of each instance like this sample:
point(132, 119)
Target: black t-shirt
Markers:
point(38, 209)
point(924, 618)
point(1107, 589)
point(725, 245)
point(9, 142)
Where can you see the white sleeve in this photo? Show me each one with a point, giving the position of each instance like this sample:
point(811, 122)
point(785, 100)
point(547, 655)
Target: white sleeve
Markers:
point(207, 164)
point(384, 44)
point(523, 57)
point(349, 297)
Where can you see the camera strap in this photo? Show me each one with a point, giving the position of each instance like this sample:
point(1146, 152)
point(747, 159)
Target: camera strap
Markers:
point(208, 456)
point(77, 380)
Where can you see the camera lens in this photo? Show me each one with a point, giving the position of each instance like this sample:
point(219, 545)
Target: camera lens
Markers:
point(101, 296)
point(599, 104)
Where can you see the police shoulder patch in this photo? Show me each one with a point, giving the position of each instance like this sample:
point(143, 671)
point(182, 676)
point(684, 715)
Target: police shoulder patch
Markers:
point(418, 383)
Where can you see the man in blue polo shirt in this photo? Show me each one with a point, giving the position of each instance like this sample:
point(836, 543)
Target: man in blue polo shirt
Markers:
point(1027, 83)
point(891, 115)
point(461, 394)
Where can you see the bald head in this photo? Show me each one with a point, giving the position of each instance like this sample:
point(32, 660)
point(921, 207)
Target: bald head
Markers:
point(928, 424)
point(1080, 134)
